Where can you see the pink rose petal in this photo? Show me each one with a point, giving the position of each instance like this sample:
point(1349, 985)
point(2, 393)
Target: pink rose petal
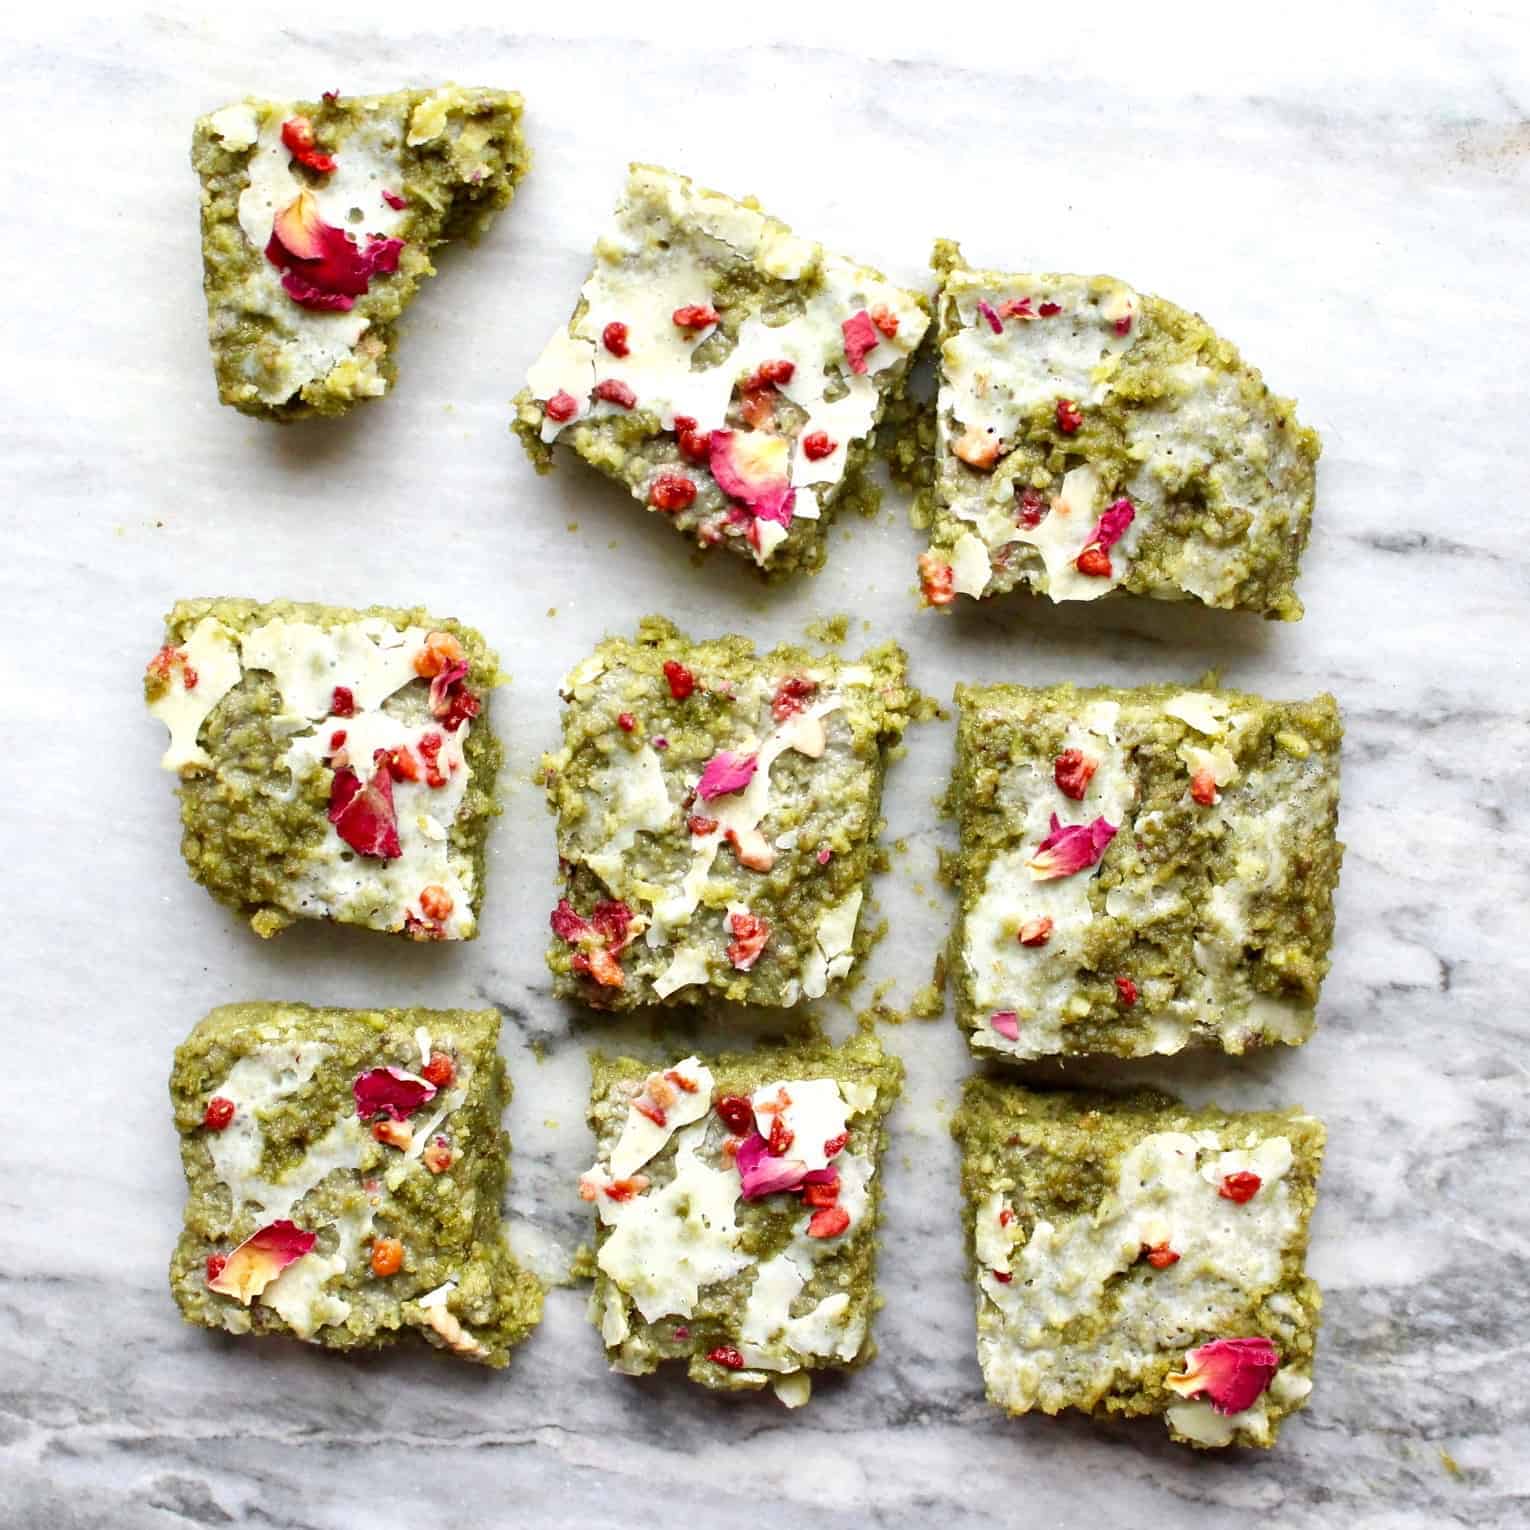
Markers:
point(364, 816)
point(322, 266)
point(995, 323)
point(762, 1174)
point(1070, 848)
point(1007, 1023)
point(860, 336)
point(1111, 526)
point(260, 1259)
point(391, 1092)
point(1231, 1374)
point(752, 467)
point(724, 774)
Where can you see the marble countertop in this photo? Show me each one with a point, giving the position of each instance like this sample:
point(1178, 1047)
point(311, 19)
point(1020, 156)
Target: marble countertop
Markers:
point(1345, 193)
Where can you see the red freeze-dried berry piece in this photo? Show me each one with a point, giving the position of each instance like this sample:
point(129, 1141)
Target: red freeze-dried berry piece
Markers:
point(835, 1144)
point(770, 374)
point(700, 825)
point(726, 1356)
point(990, 316)
point(220, 1112)
point(681, 681)
point(695, 445)
point(671, 491)
point(215, 1264)
point(364, 816)
point(1036, 932)
point(816, 445)
point(1049, 310)
point(792, 696)
point(1240, 1187)
point(828, 1223)
point(394, 200)
point(695, 316)
point(937, 579)
point(297, 137)
point(626, 721)
point(342, 703)
point(1069, 416)
point(1033, 508)
point(781, 1137)
point(561, 406)
point(736, 1113)
point(1128, 991)
point(820, 1195)
point(1073, 770)
point(1203, 788)
point(614, 337)
point(1095, 562)
point(860, 337)
point(1159, 1255)
point(440, 1070)
point(567, 924)
point(614, 391)
point(885, 320)
point(1003, 1276)
point(749, 936)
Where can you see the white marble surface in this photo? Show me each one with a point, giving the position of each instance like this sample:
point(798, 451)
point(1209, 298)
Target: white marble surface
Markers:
point(1345, 192)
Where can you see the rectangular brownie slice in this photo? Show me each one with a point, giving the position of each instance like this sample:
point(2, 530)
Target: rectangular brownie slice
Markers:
point(730, 374)
point(717, 815)
point(344, 1173)
point(1132, 1256)
point(333, 764)
point(318, 219)
point(737, 1211)
point(1092, 439)
point(1143, 869)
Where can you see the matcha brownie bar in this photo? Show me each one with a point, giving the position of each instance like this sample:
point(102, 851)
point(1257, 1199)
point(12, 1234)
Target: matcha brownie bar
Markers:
point(1135, 1257)
point(1091, 439)
point(730, 374)
point(737, 1208)
point(344, 1173)
point(333, 764)
point(318, 219)
point(1142, 870)
point(717, 815)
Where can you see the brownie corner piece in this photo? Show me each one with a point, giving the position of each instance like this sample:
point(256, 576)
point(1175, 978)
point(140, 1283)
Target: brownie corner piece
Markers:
point(318, 219)
point(728, 373)
point(1094, 439)
point(736, 1207)
point(717, 812)
point(1133, 1257)
point(1142, 869)
point(344, 1174)
point(332, 763)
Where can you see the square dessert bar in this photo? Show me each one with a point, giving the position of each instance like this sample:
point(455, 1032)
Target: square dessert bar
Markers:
point(717, 815)
point(1142, 870)
point(333, 764)
point(318, 218)
point(1091, 439)
point(730, 374)
point(344, 1172)
point(1135, 1257)
point(737, 1212)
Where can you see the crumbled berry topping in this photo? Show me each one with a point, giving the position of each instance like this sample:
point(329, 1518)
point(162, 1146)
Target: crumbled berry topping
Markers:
point(681, 681)
point(614, 391)
point(695, 316)
point(561, 406)
point(1069, 416)
point(297, 138)
point(1036, 932)
point(1240, 1187)
point(1127, 991)
point(1073, 770)
point(816, 445)
point(671, 492)
point(219, 1112)
point(614, 337)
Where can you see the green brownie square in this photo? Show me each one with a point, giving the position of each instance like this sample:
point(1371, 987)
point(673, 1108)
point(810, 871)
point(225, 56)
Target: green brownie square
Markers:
point(717, 817)
point(1132, 1257)
point(728, 373)
point(344, 1173)
point(333, 764)
point(1142, 870)
point(736, 1207)
point(1092, 439)
point(318, 222)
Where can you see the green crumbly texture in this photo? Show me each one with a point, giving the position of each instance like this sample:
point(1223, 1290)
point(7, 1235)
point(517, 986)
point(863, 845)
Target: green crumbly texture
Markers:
point(1056, 1155)
point(832, 804)
point(454, 183)
point(766, 1223)
point(449, 1223)
point(630, 448)
point(245, 834)
point(1287, 757)
point(1205, 499)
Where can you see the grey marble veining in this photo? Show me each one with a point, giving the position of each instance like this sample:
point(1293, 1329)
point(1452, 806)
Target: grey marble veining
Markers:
point(1345, 193)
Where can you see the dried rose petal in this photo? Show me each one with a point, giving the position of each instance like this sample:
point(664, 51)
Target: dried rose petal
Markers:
point(752, 467)
point(391, 1092)
point(1231, 1374)
point(1070, 848)
point(394, 200)
point(995, 323)
point(726, 773)
point(363, 816)
point(763, 1173)
point(1007, 1023)
point(1016, 308)
point(860, 337)
point(750, 934)
point(1073, 770)
point(322, 266)
point(257, 1261)
point(1049, 310)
